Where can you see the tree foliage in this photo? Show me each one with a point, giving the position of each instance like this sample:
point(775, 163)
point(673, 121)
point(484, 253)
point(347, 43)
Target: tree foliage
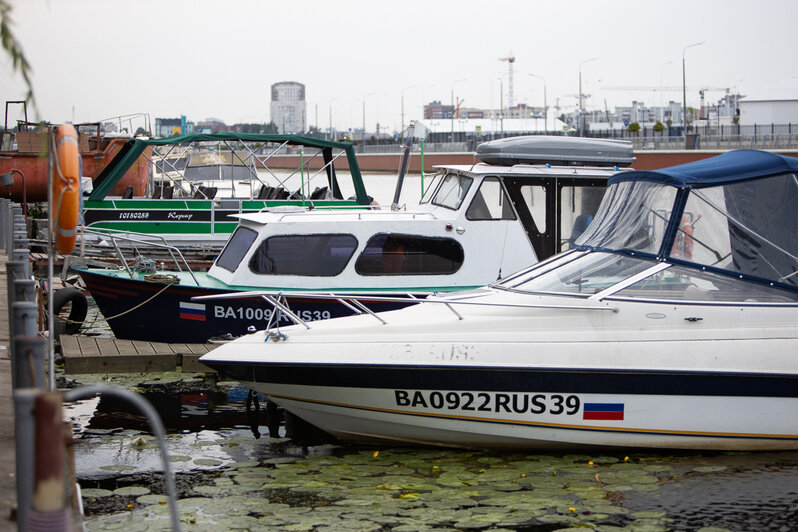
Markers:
point(634, 127)
point(14, 50)
point(659, 127)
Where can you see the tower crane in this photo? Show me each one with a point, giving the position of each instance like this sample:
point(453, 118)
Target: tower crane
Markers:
point(510, 60)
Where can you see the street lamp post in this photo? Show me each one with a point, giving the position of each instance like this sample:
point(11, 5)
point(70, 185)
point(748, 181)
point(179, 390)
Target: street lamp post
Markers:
point(684, 92)
point(451, 138)
point(363, 134)
point(403, 106)
point(661, 111)
point(332, 136)
point(580, 117)
point(545, 104)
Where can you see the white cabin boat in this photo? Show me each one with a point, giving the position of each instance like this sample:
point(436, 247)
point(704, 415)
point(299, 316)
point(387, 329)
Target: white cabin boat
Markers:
point(671, 324)
point(475, 224)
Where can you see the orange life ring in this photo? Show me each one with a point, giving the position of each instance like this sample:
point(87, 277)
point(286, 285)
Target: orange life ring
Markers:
point(683, 245)
point(66, 187)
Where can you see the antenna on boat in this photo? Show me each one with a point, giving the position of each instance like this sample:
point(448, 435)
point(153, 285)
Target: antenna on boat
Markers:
point(415, 129)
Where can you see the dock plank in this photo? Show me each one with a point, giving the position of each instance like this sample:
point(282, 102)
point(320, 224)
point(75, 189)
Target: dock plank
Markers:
point(143, 348)
point(69, 344)
point(125, 347)
point(107, 346)
point(88, 346)
point(105, 355)
point(161, 348)
point(197, 349)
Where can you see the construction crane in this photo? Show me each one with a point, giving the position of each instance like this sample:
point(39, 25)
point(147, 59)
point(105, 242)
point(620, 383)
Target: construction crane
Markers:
point(510, 60)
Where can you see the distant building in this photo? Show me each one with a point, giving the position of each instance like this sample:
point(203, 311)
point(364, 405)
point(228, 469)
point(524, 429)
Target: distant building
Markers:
point(170, 127)
point(775, 104)
point(288, 107)
point(211, 125)
point(436, 110)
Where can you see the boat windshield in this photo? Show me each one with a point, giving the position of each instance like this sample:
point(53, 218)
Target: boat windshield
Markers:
point(429, 190)
point(633, 216)
point(742, 227)
point(623, 276)
point(452, 191)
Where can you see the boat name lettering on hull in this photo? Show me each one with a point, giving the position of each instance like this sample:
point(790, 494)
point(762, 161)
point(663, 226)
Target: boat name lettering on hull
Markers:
point(519, 403)
point(176, 216)
point(250, 313)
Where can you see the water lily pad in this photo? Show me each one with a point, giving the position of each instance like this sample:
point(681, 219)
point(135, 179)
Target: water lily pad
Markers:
point(207, 462)
point(132, 490)
point(179, 458)
point(153, 498)
point(95, 493)
point(709, 468)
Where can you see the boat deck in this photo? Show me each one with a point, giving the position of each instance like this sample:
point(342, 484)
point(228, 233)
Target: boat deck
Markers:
point(85, 354)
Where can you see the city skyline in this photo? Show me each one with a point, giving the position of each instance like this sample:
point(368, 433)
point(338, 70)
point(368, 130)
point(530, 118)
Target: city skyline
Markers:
point(197, 59)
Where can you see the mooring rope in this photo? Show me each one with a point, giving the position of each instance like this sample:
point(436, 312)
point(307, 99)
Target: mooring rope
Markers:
point(167, 280)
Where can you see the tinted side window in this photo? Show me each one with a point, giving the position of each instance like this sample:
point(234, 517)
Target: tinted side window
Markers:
point(390, 254)
point(316, 255)
point(236, 248)
point(490, 202)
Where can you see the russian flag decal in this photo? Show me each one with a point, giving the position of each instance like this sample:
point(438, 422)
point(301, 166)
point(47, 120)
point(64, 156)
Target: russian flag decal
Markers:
point(610, 411)
point(192, 311)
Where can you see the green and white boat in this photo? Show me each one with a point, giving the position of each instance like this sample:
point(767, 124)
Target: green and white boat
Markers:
point(193, 207)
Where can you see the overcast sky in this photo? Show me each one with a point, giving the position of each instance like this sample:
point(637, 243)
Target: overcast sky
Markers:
point(95, 59)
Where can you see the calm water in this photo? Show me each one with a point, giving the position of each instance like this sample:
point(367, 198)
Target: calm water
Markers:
point(238, 470)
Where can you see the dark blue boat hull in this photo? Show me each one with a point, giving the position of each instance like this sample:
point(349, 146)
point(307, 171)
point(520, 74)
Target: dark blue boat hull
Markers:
point(141, 310)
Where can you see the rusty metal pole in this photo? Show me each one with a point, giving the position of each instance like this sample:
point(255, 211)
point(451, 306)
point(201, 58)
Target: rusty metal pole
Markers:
point(50, 511)
point(24, 439)
point(28, 361)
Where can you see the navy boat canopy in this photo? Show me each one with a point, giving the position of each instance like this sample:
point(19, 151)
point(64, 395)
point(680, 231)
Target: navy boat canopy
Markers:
point(729, 167)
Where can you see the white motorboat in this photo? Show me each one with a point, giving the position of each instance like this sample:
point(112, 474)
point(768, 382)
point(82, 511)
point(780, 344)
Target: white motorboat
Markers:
point(671, 324)
point(474, 224)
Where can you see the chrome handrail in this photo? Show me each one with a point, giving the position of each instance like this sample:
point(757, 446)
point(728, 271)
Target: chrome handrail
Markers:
point(116, 235)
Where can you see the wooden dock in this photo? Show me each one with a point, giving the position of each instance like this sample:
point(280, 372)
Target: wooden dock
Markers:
point(87, 354)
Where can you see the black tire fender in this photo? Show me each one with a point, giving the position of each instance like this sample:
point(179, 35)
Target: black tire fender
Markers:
point(80, 307)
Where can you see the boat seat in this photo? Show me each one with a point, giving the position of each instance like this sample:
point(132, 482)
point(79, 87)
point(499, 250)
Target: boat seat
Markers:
point(580, 224)
point(168, 192)
point(265, 192)
point(319, 193)
point(128, 193)
point(204, 192)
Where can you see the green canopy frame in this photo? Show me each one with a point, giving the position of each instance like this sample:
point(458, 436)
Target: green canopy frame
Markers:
point(133, 148)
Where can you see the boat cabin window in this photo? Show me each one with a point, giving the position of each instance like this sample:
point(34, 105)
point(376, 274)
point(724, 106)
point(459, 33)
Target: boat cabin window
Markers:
point(429, 191)
point(236, 248)
point(393, 254)
point(312, 255)
point(452, 191)
point(490, 202)
point(534, 197)
point(578, 206)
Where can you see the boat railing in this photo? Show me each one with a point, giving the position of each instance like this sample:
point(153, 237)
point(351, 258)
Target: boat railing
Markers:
point(357, 303)
point(114, 237)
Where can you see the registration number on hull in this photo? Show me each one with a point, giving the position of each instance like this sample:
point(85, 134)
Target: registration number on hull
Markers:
point(519, 403)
